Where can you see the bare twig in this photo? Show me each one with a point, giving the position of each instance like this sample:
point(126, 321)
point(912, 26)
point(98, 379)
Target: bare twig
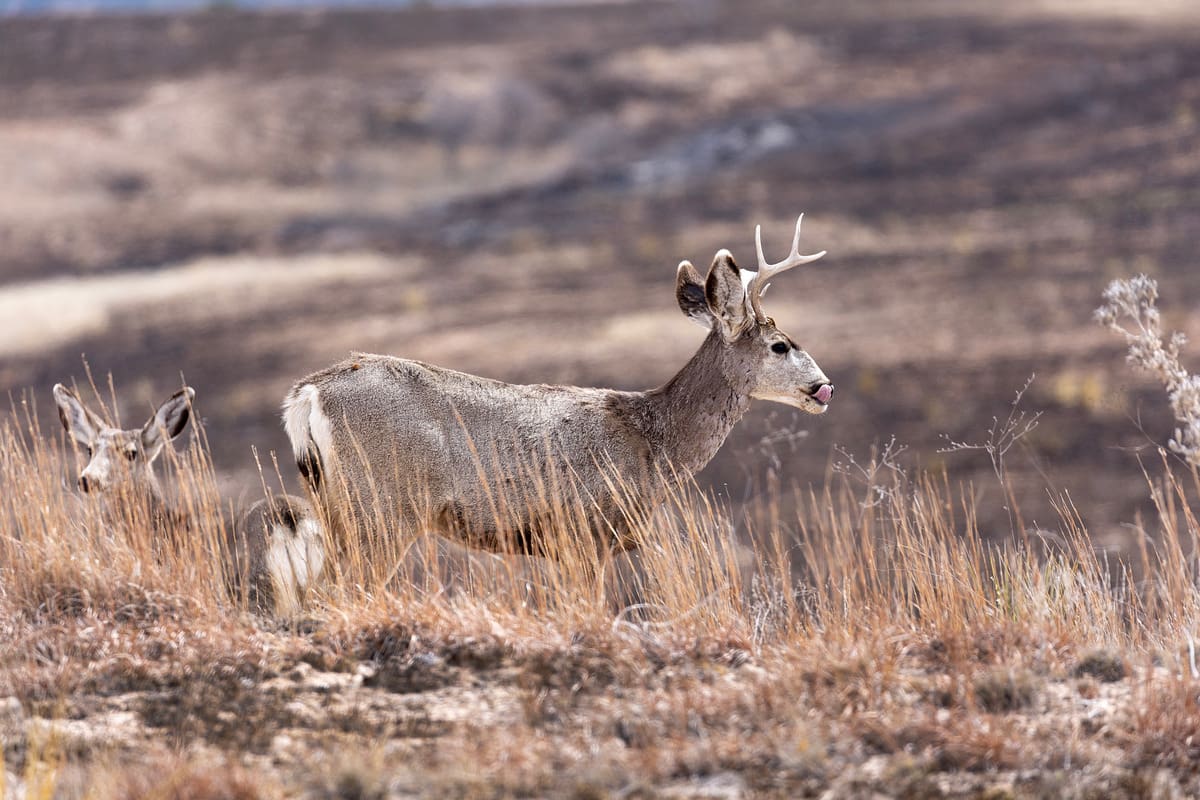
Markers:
point(1002, 436)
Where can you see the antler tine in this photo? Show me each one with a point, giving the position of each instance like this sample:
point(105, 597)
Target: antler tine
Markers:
point(767, 270)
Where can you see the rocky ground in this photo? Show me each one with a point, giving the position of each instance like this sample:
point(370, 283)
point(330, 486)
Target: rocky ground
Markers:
point(478, 719)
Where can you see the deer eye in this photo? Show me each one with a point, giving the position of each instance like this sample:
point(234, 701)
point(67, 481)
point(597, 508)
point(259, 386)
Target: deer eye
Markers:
point(780, 347)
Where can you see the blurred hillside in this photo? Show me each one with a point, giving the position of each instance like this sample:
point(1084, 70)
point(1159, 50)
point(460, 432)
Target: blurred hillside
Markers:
point(244, 197)
point(33, 7)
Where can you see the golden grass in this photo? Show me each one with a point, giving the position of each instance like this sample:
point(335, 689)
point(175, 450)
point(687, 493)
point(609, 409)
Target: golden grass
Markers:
point(875, 640)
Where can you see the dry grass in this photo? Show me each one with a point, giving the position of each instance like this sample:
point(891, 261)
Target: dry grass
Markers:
point(874, 643)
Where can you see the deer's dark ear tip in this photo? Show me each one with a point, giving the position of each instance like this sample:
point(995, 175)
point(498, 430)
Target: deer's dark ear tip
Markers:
point(686, 273)
point(725, 257)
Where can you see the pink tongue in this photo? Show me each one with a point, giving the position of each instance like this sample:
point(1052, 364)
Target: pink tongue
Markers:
point(824, 393)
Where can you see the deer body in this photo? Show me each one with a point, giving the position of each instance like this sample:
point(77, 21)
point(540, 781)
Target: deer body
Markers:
point(449, 461)
point(277, 548)
point(419, 447)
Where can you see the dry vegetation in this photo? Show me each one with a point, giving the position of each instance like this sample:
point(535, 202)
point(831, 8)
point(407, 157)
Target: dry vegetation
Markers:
point(874, 644)
point(1006, 609)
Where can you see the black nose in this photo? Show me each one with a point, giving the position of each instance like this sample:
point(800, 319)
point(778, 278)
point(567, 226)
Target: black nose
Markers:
point(84, 485)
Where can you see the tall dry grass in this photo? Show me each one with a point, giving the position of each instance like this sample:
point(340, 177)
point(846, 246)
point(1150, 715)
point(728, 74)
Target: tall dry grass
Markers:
point(883, 552)
point(876, 608)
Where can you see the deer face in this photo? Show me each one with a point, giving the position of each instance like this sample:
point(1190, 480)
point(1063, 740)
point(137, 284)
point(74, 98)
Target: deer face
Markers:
point(780, 370)
point(787, 374)
point(120, 460)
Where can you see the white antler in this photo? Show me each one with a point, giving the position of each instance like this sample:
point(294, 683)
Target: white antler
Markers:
point(766, 271)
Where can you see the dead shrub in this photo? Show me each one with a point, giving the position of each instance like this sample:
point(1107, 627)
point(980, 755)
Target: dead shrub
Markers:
point(1105, 666)
point(1000, 691)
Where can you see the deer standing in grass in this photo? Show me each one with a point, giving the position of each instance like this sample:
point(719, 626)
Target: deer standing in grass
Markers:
point(396, 443)
point(276, 550)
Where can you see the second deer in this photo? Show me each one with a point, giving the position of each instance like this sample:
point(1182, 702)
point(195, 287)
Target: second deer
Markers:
point(276, 550)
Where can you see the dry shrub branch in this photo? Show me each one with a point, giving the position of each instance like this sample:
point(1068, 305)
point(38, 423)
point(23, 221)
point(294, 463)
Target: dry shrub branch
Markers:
point(1130, 309)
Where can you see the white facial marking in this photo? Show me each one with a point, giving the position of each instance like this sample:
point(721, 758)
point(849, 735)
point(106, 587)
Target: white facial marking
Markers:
point(800, 401)
point(803, 361)
point(96, 473)
point(110, 465)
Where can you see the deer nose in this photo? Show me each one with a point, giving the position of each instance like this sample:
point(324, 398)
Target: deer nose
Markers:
point(84, 484)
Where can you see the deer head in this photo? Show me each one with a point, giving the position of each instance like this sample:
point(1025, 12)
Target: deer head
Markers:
point(729, 302)
point(121, 460)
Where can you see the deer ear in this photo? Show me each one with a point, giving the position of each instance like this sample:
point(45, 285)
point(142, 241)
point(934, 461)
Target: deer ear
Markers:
point(689, 293)
point(80, 423)
point(168, 421)
point(725, 295)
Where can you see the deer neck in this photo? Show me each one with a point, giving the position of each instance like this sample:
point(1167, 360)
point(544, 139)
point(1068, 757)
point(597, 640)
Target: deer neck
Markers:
point(694, 412)
point(151, 493)
point(143, 500)
point(165, 514)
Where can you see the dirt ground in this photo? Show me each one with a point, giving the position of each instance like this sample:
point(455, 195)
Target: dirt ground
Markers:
point(431, 725)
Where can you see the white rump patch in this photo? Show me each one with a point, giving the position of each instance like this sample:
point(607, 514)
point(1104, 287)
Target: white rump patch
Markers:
point(304, 422)
point(294, 561)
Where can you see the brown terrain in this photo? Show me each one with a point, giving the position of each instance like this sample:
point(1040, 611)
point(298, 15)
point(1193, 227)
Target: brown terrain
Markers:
point(242, 198)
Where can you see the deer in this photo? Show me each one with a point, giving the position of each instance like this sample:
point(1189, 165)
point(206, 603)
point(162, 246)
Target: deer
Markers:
point(275, 550)
point(429, 449)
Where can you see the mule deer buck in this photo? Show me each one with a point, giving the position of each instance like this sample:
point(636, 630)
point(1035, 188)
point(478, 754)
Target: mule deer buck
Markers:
point(425, 448)
point(276, 550)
